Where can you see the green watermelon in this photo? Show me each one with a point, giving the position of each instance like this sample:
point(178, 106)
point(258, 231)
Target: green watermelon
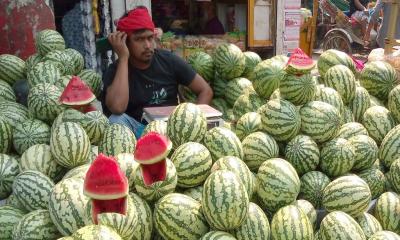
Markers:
point(219, 85)
point(32, 61)
point(49, 40)
point(29, 133)
point(378, 121)
point(339, 225)
point(308, 209)
point(337, 157)
point(303, 153)
point(128, 165)
point(385, 235)
point(331, 96)
point(6, 92)
point(312, 186)
point(360, 103)
point(68, 115)
point(375, 180)
point(249, 102)
point(9, 217)
point(93, 80)
point(389, 149)
point(78, 62)
point(235, 88)
point(223, 142)
point(351, 129)
point(366, 152)
point(6, 136)
point(387, 211)
point(98, 232)
point(12, 201)
point(143, 229)
point(252, 59)
point(62, 60)
point(194, 192)
point(117, 139)
point(12, 68)
point(15, 112)
point(157, 126)
point(334, 57)
point(394, 175)
point(369, 224)
point(248, 123)
point(266, 77)
point(229, 61)
point(394, 103)
point(342, 79)
point(95, 124)
point(297, 89)
point(120, 223)
point(203, 64)
point(217, 235)
point(43, 72)
point(77, 172)
point(9, 169)
point(62, 82)
point(255, 226)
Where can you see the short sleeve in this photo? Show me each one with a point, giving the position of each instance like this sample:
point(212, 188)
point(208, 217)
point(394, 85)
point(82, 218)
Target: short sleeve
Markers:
point(184, 72)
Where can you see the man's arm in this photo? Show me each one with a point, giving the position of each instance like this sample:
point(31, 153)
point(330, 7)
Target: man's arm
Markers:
point(201, 88)
point(359, 6)
point(117, 94)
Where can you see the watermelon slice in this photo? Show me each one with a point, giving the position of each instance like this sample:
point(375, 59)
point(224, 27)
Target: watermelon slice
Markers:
point(299, 63)
point(151, 152)
point(107, 186)
point(77, 93)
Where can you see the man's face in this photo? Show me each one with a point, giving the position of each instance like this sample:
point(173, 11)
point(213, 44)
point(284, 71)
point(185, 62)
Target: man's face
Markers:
point(141, 45)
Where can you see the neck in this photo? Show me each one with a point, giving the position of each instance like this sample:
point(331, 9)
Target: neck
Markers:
point(139, 64)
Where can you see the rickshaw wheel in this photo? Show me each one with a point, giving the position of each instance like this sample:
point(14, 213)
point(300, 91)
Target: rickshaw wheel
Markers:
point(336, 40)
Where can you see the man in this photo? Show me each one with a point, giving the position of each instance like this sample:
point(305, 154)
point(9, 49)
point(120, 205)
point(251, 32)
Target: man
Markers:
point(358, 11)
point(144, 76)
point(213, 25)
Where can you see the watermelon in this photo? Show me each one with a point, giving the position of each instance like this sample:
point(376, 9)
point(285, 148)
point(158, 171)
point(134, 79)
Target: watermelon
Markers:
point(203, 64)
point(339, 225)
point(337, 157)
point(278, 184)
point(117, 139)
point(266, 77)
point(378, 121)
point(248, 123)
point(299, 63)
point(9, 170)
point(297, 89)
point(237, 87)
point(77, 93)
point(347, 115)
point(12, 68)
point(68, 115)
point(220, 104)
point(43, 102)
point(62, 60)
point(144, 227)
point(6, 92)
point(49, 40)
point(351, 129)
point(9, 217)
point(219, 85)
point(360, 103)
point(303, 153)
point(308, 209)
point(312, 186)
point(63, 81)
point(32, 189)
point(29, 133)
point(194, 192)
point(223, 142)
point(342, 79)
point(394, 103)
point(255, 226)
point(231, 209)
point(92, 79)
point(385, 235)
point(349, 194)
point(320, 121)
point(330, 96)
point(379, 78)
point(394, 174)
point(290, 222)
point(157, 126)
point(387, 211)
point(258, 147)
point(12, 201)
point(77, 172)
point(15, 112)
point(99, 232)
point(186, 123)
point(95, 124)
point(6, 136)
point(334, 57)
point(177, 216)
point(214, 235)
point(389, 149)
point(70, 145)
point(36, 225)
point(43, 72)
point(282, 59)
point(375, 179)
point(369, 224)
point(193, 164)
point(245, 103)
point(120, 223)
point(77, 60)
point(252, 59)
point(366, 152)
point(32, 61)
point(229, 61)
point(280, 119)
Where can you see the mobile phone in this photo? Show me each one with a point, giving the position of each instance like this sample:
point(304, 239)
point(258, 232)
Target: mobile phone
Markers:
point(103, 45)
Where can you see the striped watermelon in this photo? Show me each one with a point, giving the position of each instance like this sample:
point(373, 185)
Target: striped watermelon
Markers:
point(68, 115)
point(193, 164)
point(8, 171)
point(93, 80)
point(351, 129)
point(247, 103)
point(331, 96)
point(379, 78)
point(235, 88)
point(228, 115)
point(77, 172)
point(62, 60)
point(36, 225)
point(177, 216)
point(375, 180)
point(99, 232)
point(378, 121)
point(255, 226)
point(77, 60)
point(43, 102)
point(389, 149)
point(366, 152)
point(15, 112)
point(32, 189)
point(278, 184)
point(187, 123)
point(95, 124)
point(12, 201)
point(159, 189)
point(266, 77)
point(342, 79)
point(187, 94)
point(9, 217)
point(128, 165)
point(282, 59)
point(220, 104)
point(360, 103)
point(194, 192)
point(239, 168)
point(252, 59)
point(297, 89)
point(63, 81)
point(387, 211)
point(280, 119)
point(308, 209)
point(49, 40)
point(219, 85)
point(369, 224)
point(247, 124)
point(349, 194)
point(117, 139)
point(223, 142)
point(203, 64)
point(39, 158)
point(320, 121)
point(6, 92)
point(347, 115)
point(385, 235)
point(29, 133)
point(290, 222)
point(312, 186)
point(43, 72)
point(32, 61)
point(119, 223)
point(339, 225)
point(257, 148)
point(225, 202)
point(337, 157)
point(394, 175)
point(229, 61)
point(157, 126)
point(375, 101)
point(144, 228)
point(12, 68)
point(70, 145)
point(218, 235)
point(394, 103)
point(334, 57)
point(275, 95)
point(303, 153)
point(6, 136)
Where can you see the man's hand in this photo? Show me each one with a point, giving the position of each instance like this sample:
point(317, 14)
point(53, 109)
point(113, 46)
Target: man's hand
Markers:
point(118, 43)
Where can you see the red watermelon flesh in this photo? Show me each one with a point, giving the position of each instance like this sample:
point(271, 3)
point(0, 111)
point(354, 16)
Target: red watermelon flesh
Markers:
point(77, 93)
point(118, 205)
point(156, 172)
point(85, 108)
point(299, 62)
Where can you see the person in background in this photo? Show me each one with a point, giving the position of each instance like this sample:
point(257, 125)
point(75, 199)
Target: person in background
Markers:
point(144, 76)
point(359, 12)
point(212, 25)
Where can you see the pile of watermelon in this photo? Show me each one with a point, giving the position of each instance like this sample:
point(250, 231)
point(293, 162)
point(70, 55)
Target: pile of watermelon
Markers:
point(308, 151)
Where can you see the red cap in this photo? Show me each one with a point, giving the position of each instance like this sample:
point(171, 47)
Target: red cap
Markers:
point(137, 19)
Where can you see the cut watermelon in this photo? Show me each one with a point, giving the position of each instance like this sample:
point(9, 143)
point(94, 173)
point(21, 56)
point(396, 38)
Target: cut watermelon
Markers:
point(118, 205)
point(77, 93)
point(299, 63)
point(85, 108)
point(151, 151)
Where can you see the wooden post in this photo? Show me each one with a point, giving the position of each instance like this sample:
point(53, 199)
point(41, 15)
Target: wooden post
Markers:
point(390, 40)
point(314, 25)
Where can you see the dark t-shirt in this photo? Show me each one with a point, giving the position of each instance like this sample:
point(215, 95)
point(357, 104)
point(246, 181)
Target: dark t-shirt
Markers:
point(154, 86)
point(214, 26)
point(353, 7)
